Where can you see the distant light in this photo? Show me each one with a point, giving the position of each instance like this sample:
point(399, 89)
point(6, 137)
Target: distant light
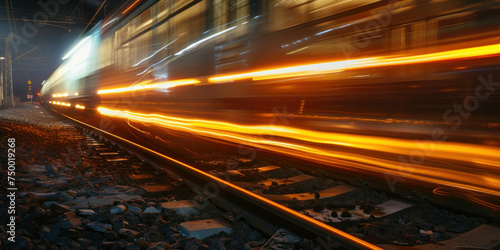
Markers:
point(54, 95)
point(65, 94)
point(132, 5)
point(76, 48)
point(43, 82)
point(1, 58)
point(76, 93)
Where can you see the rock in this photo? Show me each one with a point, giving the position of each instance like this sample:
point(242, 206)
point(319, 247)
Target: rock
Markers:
point(118, 209)
point(134, 209)
point(385, 238)
point(134, 221)
point(99, 227)
point(119, 225)
point(44, 195)
point(401, 242)
point(443, 220)
point(425, 225)
point(156, 236)
point(22, 243)
point(77, 203)
point(39, 247)
point(151, 210)
point(110, 235)
point(165, 228)
point(112, 245)
point(84, 242)
point(410, 231)
point(85, 212)
point(48, 204)
point(110, 199)
point(113, 218)
point(29, 226)
point(423, 232)
point(51, 169)
point(50, 233)
point(345, 214)
point(174, 237)
point(34, 216)
point(132, 247)
point(436, 237)
point(60, 208)
point(63, 196)
point(158, 246)
point(129, 233)
point(70, 233)
point(64, 241)
point(69, 221)
point(147, 218)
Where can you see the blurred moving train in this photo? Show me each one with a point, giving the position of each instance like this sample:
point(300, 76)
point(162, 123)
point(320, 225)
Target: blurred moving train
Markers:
point(234, 59)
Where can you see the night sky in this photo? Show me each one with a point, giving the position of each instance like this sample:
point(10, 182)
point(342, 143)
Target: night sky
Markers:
point(39, 46)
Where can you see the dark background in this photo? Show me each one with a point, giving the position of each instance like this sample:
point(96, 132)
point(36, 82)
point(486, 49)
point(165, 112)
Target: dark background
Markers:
point(39, 46)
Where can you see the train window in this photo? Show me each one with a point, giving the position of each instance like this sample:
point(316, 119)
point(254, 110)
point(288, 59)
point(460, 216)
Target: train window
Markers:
point(140, 23)
point(141, 48)
point(284, 14)
point(401, 38)
point(163, 9)
point(188, 25)
point(106, 52)
point(165, 37)
point(287, 13)
point(455, 26)
point(227, 13)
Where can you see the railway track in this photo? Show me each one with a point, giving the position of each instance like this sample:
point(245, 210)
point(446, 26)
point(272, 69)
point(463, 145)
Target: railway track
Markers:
point(296, 209)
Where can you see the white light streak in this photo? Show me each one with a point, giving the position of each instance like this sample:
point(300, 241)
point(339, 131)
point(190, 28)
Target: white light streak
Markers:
point(203, 40)
point(76, 48)
point(156, 52)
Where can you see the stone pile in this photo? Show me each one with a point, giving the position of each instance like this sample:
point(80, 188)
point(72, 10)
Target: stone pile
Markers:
point(68, 198)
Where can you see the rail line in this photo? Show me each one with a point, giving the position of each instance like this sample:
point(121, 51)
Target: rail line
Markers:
point(259, 205)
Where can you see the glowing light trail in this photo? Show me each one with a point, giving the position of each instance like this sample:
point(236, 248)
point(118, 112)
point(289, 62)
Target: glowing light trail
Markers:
point(130, 7)
point(167, 84)
point(316, 146)
point(339, 66)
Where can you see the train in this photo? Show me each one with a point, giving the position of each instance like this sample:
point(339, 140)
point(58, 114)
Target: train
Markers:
point(321, 61)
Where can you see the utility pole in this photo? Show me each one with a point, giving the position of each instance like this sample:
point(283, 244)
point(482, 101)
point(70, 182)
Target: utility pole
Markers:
point(8, 94)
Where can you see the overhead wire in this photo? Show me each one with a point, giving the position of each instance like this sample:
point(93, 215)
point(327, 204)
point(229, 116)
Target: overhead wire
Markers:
point(97, 12)
point(77, 6)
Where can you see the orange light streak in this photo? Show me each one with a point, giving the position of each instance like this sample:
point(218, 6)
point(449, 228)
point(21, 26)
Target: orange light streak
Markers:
point(339, 66)
point(144, 86)
point(132, 5)
point(317, 146)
